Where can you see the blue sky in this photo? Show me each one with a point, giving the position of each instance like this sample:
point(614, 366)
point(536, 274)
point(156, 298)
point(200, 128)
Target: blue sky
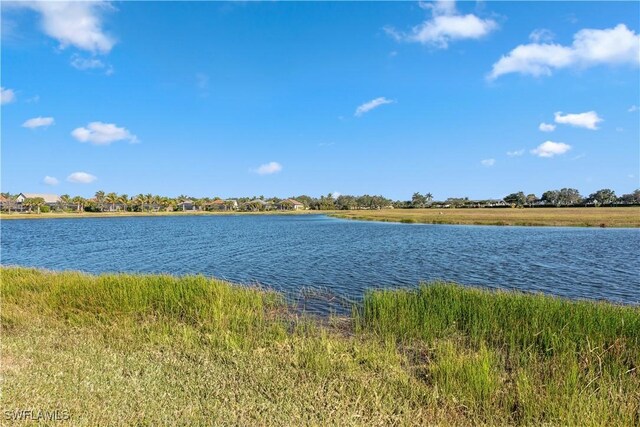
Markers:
point(279, 98)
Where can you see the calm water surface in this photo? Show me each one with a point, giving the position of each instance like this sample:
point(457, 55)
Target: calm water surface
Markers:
point(338, 259)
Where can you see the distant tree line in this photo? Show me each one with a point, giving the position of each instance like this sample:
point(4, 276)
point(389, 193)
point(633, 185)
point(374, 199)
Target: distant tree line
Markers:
point(110, 202)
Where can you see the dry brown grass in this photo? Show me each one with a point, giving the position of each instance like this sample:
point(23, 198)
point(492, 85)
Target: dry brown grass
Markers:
point(577, 217)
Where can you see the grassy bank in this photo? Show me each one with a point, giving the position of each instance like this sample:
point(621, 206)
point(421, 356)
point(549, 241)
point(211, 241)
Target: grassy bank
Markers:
point(154, 350)
point(50, 215)
point(575, 217)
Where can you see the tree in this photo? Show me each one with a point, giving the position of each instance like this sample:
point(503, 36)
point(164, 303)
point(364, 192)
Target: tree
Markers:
point(603, 197)
point(139, 200)
point(148, 200)
point(550, 197)
point(124, 201)
point(99, 199)
point(420, 201)
point(531, 199)
point(517, 199)
point(64, 202)
point(631, 198)
point(112, 199)
point(79, 202)
point(569, 196)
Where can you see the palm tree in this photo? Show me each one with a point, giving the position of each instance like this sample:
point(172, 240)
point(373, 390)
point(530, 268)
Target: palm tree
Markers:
point(79, 202)
point(112, 198)
point(65, 199)
point(139, 200)
point(148, 199)
point(99, 199)
point(124, 201)
point(38, 202)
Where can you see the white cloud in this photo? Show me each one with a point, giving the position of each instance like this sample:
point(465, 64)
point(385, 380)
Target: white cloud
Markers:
point(445, 26)
point(7, 96)
point(633, 108)
point(74, 23)
point(546, 127)
point(86, 63)
point(374, 103)
point(541, 35)
point(99, 133)
point(488, 162)
point(590, 47)
point(588, 120)
point(515, 153)
point(49, 180)
point(81, 178)
point(550, 149)
point(37, 122)
point(268, 168)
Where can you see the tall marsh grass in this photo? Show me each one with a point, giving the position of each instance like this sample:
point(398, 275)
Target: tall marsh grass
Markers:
point(122, 349)
point(536, 357)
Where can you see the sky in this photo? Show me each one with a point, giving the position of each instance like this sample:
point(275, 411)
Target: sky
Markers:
point(467, 99)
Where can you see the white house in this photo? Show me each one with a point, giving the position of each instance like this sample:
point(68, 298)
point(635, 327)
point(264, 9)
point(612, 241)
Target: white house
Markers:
point(49, 199)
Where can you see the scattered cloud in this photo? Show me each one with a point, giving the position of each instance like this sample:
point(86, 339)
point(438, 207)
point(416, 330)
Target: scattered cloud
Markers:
point(80, 63)
point(86, 63)
point(336, 194)
point(550, 149)
point(33, 100)
point(579, 156)
point(547, 127)
point(74, 23)
point(50, 180)
point(444, 26)
point(37, 122)
point(99, 133)
point(7, 96)
point(633, 108)
point(631, 176)
point(588, 120)
point(590, 47)
point(374, 103)
point(81, 178)
point(619, 129)
point(515, 153)
point(541, 35)
point(268, 168)
point(488, 162)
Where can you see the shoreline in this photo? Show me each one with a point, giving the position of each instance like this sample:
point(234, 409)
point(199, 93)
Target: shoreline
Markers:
point(602, 217)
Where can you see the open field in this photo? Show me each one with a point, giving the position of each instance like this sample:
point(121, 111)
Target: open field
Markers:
point(161, 350)
point(578, 217)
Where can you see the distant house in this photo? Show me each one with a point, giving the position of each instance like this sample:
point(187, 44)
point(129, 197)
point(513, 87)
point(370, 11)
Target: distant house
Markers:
point(495, 203)
point(50, 200)
point(223, 205)
point(187, 205)
point(256, 205)
point(290, 204)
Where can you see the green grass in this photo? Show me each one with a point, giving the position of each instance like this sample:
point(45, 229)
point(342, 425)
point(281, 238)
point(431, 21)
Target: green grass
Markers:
point(161, 350)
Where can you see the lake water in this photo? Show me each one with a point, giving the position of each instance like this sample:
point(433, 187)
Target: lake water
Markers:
point(336, 260)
